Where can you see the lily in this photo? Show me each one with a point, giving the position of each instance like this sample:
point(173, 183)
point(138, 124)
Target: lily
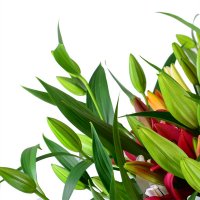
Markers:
point(156, 101)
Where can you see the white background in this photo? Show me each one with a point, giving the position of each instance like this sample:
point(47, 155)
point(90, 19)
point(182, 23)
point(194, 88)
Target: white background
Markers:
point(93, 31)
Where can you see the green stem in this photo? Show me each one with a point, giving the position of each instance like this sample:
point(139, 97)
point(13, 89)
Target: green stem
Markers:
point(91, 95)
point(41, 195)
point(49, 155)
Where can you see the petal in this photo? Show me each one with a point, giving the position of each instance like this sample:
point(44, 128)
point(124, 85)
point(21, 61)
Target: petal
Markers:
point(185, 142)
point(184, 190)
point(168, 131)
point(169, 184)
point(130, 156)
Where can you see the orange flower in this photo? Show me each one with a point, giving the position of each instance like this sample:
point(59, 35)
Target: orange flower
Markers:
point(156, 101)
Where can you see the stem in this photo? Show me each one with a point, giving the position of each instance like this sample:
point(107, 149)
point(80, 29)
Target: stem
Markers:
point(145, 98)
point(91, 95)
point(41, 195)
point(49, 155)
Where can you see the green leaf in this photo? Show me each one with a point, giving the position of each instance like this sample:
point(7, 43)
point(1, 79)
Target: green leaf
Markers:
point(60, 40)
point(192, 26)
point(86, 144)
point(99, 87)
point(74, 177)
point(170, 60)
point(39, 94)
point(131, 191)
point(113, 190)
point(98, 183)
point(126, 91)
point(162, 151)
point(190, 169)
point(80, 116)
point(151, 64)
point(66, 161)
point(185, 41)
point(63, 59)
point(72, 85)
point(18, 180)
point(194, 97)
point(101, 160)
point(166, 116)
point(191, 55)
point(28, 164)
point(193, 196)
point(63, 174)
point(65, 135)
point(96, 195)
point(28, 161)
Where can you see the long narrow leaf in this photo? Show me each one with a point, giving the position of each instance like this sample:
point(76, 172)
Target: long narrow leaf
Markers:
point(39, 94)
point(126, 91)
point(170, 60)
point(166, 116)
point(101, 160)
point(192, 26)
point(74, 177)
point(63, 174)
point(131, 191)
point(28, 161)
point(99, 87)
point(66, 160)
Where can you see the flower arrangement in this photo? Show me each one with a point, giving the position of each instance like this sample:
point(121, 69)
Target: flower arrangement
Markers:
point(157, 159)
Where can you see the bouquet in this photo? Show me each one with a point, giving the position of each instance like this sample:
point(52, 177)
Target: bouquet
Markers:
point(157, 159)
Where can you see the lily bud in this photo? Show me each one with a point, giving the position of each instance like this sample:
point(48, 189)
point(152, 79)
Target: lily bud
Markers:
point(186, 41)
point(137, 75)
point(177, 102)
point(71, 85)
point(188, 67)
point(142, 169)
point(141, 107)
point(155, 101)
point(190, 169)
point(172, 71)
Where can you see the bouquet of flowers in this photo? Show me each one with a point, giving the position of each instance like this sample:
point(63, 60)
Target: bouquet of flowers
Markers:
point(157, 159)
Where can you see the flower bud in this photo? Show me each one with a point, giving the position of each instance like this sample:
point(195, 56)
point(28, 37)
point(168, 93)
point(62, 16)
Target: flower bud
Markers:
point(187, 66)
point(172, 71)
point(177, 102)
point(137, 75)
point(71, 85)
point(155, 101)
point(186, 41)
point(142, 169)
